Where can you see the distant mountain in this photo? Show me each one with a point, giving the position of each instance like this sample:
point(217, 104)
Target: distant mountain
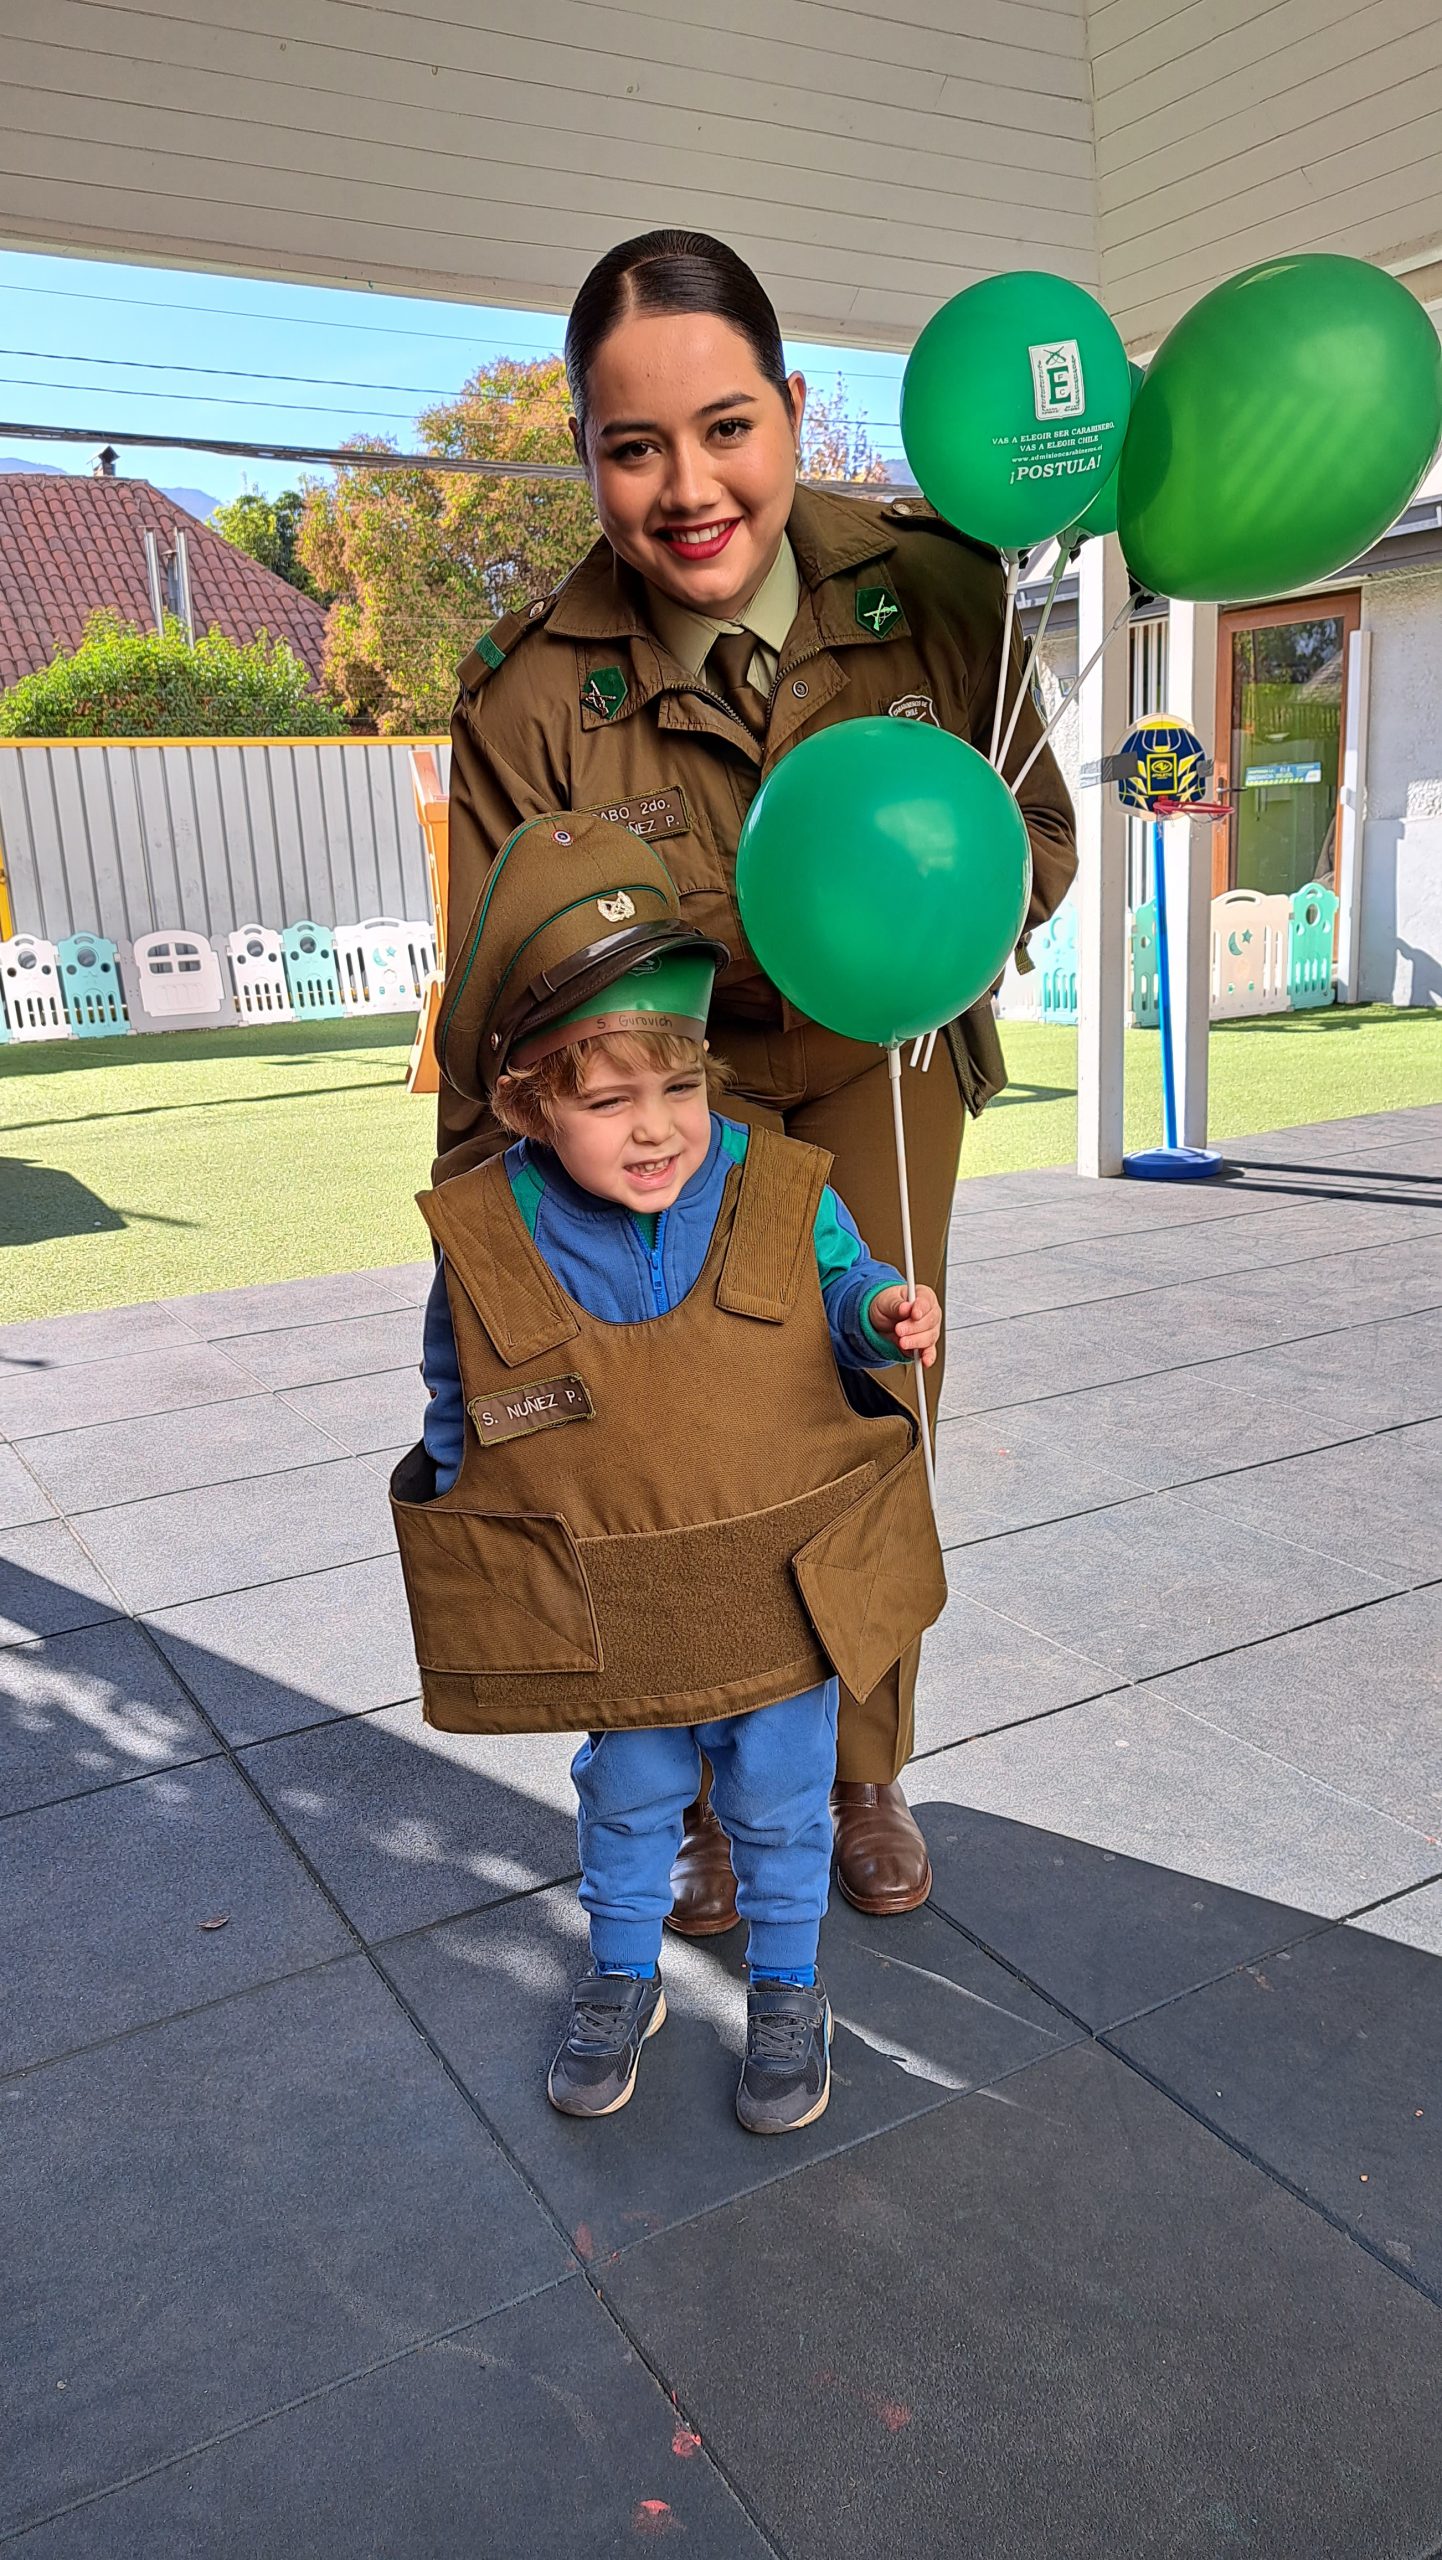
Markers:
point(196, 502)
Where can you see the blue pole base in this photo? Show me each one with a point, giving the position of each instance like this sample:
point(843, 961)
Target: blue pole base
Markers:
point(1172, 1164)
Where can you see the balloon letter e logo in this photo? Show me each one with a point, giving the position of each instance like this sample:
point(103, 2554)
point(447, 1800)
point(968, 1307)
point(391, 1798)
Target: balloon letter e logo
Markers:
point(1056, 375)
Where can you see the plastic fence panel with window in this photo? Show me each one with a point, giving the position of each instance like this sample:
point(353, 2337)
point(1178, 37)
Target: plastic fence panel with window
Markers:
point(90, 987)
point(177, 972)
point(310, 971)
point(1054, 952)
point(257, 968)
point(383, 964)
point(1249, 953)
point(1309, 948)
point(30, 989)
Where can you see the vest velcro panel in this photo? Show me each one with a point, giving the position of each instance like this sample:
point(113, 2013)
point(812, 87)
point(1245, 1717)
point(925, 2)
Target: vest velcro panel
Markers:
point(523, 1309)
point(770, 1250)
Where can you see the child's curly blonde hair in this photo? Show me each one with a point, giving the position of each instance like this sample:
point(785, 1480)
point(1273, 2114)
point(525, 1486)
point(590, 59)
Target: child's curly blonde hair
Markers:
point(525, 1098)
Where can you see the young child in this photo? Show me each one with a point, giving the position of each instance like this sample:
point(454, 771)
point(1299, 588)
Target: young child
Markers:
point(644, 1504)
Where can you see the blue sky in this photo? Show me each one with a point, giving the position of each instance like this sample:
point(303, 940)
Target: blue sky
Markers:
point(89, 344)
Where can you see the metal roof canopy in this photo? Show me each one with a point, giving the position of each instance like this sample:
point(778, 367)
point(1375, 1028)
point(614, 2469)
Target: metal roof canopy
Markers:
point(869, 161)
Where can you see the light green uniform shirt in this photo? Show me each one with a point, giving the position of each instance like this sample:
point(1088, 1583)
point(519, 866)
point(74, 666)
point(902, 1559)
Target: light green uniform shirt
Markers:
point(768, 617)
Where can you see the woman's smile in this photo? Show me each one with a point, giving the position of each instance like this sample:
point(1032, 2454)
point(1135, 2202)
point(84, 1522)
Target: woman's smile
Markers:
point(697, 542)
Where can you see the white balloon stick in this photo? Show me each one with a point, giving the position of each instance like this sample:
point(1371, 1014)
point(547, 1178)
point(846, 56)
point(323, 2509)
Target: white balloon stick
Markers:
point(1104, 643)
point(1013, 572)
point(893, 1063)
point(1063, 558)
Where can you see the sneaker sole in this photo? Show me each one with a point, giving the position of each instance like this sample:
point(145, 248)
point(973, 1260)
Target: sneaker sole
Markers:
point(594, 2114)
point(801, 2123)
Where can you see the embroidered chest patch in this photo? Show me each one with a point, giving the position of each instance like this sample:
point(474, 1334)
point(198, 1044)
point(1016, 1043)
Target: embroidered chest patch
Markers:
point(877, 610)
point(514, 1414)
point(914, 706)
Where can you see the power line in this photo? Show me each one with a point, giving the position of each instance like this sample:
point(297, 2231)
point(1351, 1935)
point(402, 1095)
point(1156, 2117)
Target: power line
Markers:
point(306, 320)
point(349, 457)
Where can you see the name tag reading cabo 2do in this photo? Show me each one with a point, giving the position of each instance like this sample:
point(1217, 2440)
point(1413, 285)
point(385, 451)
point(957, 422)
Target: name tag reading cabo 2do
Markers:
point(538, 1407)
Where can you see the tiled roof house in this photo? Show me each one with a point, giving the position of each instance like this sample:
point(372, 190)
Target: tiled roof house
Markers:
point(68, 546)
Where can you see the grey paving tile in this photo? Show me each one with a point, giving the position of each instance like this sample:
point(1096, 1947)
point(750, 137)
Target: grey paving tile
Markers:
point(83, 1710)
point(408, 1825)
point(1061, 2312)
point(1104, 1935)
point(187, 1546)
point(385, 1461)
point(1008, 1470)
point(1379, 1503)
point(286, 1654)
point(1369, 1376)
point(156, 1381)
point(1064, 1349)
point(21, 1499)
point(49, 1583)
point(1326, 2063)
point(231, 2210)
point(382, 1410)
point(351, 1347)
point(920, 2014)
point(1177, 1428)
point(1156, 1582)
point(1069, 1273)
point(280, 1305)
point(209, 1444)
point(103, 1899)
point(439, 2455)
point(1131, 1773)
point(1356, 1702)
point(1413, 1920)
point(979, 1670)
point(54, 1342)
point(1399, 1279)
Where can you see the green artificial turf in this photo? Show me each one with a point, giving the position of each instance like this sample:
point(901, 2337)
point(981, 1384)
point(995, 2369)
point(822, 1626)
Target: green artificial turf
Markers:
point(150, 1167)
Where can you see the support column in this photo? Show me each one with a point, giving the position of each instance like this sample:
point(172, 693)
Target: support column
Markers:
point(1352, 818)
point(1192, 697)
point(1101, 890)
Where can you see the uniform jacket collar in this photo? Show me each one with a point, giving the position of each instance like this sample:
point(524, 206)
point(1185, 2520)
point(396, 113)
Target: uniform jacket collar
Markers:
point(603, 599)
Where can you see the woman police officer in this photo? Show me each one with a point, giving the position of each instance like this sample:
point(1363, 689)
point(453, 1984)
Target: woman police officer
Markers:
point(724, 614)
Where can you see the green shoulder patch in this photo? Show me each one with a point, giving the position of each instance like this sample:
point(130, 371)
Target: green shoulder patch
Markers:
point(877, 611)
point(495, 646)
point(605, 692)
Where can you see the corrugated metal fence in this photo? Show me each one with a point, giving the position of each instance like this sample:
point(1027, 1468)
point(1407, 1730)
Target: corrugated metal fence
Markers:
point(128, 836)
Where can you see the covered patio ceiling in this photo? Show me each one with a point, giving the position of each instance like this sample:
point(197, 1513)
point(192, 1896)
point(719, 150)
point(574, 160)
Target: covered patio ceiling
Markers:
point(868, 160)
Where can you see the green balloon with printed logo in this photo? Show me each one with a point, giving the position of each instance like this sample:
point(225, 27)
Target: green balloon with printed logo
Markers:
point(1013, 407)
point(1101, 515)
point(1283, 424)
point(883, 876)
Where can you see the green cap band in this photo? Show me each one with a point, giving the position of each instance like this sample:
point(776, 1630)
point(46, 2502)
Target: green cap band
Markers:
point(671, 991)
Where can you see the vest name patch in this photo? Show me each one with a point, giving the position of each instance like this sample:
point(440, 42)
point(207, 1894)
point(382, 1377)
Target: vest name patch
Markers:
point(537, 1407)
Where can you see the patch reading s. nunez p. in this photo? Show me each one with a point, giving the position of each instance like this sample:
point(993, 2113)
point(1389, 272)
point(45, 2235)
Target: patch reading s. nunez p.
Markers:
point(651, 813)
point(538, 1407)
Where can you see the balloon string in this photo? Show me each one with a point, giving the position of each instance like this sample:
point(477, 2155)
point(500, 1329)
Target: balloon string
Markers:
point(1013, 572)
point(893, 1067)
point(1063, 561)
point(1103, 644)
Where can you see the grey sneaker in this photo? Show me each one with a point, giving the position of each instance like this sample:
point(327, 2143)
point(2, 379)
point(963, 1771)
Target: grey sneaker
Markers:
point(612, 2016)
point(786, 2077)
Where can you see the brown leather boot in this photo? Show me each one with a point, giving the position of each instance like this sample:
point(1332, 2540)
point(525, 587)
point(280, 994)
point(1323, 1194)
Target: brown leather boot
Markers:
point(702, 1884)
point(881, 1861)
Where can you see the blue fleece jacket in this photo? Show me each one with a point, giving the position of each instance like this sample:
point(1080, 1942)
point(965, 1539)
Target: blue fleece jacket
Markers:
point(625, 1269)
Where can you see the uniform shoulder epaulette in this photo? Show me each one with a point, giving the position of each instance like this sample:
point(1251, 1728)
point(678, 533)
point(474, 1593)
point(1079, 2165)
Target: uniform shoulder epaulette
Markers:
point(919, 516)
point(497, 645)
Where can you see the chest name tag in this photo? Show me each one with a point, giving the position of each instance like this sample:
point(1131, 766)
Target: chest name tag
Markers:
point(538, 1407)
point(651, 813)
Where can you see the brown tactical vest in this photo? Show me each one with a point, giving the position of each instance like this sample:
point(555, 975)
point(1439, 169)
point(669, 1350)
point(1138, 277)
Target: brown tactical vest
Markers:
point(658, 1523)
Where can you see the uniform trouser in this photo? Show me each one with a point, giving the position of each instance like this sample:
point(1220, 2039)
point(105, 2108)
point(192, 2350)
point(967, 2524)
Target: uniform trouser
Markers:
point(853, 1121)
point(771, 1788)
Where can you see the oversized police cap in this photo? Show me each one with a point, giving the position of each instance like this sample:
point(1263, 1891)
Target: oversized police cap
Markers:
point(576, 909)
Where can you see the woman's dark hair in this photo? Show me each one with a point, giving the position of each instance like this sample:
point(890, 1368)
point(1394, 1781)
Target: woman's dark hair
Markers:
point(670, 271)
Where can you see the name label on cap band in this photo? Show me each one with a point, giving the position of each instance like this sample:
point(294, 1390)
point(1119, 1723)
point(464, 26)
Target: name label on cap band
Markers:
point(654, 813)
point(538, 1407)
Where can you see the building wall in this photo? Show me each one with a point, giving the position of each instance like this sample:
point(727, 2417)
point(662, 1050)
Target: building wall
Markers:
point(1228, 133)
point(867, 160)
point(124, 839)
point(1401, 958)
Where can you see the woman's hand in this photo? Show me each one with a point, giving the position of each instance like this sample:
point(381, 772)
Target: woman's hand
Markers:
point(912, 1323)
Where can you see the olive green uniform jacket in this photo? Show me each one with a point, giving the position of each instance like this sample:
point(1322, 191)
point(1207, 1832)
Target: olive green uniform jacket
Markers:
point(576, 704)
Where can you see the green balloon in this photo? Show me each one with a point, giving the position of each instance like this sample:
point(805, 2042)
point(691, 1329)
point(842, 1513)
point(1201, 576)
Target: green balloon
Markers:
point(883, 876)
point(1101, 515)
point(1282, 426)
point(1013, 407)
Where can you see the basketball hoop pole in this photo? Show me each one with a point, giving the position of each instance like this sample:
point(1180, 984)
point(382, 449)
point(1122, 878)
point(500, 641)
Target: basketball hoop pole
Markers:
point(1171, 1162)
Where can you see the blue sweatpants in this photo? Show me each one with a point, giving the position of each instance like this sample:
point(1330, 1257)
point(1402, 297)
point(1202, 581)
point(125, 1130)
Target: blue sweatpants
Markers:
point(771, 1774)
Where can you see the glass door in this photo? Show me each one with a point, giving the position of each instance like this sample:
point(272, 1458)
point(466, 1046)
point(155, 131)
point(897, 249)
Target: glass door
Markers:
point(1281, 680)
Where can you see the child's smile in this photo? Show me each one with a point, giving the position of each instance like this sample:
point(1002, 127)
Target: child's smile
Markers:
point(634, 1135)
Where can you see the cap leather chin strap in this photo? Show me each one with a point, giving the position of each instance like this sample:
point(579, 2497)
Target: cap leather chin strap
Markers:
point(521, 1306)
point(771, 1235)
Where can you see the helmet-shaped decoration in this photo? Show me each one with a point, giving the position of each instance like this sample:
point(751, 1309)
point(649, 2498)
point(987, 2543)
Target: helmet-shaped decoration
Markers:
point(1162, 763)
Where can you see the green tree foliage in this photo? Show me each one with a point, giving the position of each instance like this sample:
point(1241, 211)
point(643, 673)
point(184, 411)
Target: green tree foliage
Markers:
point(835, 446)
point(124, 683)
point(421, 562)
point(266, 528)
